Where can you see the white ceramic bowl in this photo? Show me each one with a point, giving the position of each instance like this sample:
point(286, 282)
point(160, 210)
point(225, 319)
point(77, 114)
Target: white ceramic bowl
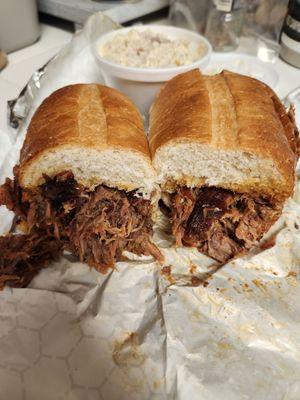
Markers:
point(142, 84)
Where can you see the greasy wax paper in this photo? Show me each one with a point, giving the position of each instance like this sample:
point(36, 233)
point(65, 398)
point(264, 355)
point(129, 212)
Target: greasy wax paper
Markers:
point(185, 330)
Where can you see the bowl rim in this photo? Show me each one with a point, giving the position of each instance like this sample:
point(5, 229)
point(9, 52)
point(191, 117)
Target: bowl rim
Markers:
point(151, 72)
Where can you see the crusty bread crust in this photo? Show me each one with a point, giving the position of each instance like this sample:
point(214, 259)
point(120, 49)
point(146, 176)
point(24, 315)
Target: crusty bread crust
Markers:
point(225, 113)
point(88, 118)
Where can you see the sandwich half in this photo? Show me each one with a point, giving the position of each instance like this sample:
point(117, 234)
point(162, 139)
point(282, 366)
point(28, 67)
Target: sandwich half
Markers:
point(85, 183)
point(225, 152)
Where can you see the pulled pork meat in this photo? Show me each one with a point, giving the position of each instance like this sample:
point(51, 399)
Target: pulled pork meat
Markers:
point(108, 223)
point(62, 215)
point(23, 256)
point(220, 223)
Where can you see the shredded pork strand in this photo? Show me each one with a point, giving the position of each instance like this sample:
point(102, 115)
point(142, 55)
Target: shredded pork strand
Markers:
point(61, 215)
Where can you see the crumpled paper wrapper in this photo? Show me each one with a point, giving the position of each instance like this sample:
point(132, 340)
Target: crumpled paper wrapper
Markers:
point(185, 330)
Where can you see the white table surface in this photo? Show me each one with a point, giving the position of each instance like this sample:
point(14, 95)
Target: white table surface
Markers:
point(24, 62)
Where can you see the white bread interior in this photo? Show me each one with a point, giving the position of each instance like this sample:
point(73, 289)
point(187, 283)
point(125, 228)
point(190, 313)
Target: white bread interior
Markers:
point(194, 164)
point(123, 169)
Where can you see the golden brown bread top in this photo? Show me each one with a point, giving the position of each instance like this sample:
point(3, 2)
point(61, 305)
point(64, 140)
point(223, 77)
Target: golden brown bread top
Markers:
point(88, 115)
point(227, 111)
point(181, 108)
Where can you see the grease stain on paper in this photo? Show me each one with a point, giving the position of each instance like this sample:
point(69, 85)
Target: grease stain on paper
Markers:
point(127, 352)
point(167, 273)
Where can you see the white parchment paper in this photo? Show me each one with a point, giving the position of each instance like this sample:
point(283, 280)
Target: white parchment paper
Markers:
point(185, 330)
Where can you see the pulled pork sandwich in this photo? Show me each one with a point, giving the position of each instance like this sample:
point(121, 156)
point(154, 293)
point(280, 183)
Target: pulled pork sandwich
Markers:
point(225, 151)
point(84, 184)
